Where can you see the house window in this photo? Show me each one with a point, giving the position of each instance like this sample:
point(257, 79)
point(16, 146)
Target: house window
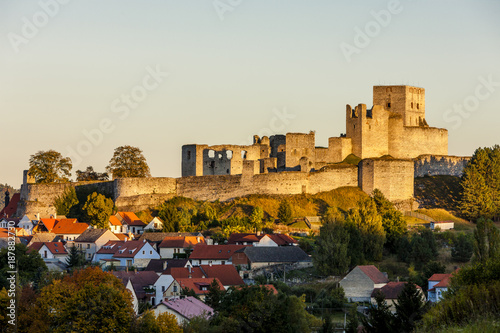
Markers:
point(129, 263)
point(89, 255)
point(210, 262)
point(189, 155)
point(222, 262)
point(162, 289)
point(175, 289)
point(150, 252)
point(45, 254)
point(143, 252)
point(88, 246)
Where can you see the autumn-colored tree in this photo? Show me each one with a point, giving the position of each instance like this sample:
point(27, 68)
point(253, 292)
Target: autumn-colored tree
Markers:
point(128, 161)
point(89, 174)
point(98, 209)
point(256, 217)
point(168, 323)
point(50, 167)
point(89, 300)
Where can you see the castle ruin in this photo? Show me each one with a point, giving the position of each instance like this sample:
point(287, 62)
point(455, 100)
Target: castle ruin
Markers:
point(392, 139)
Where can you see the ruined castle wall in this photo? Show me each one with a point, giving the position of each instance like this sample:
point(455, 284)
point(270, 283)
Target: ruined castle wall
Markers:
point(135, 194)
point(192, 160)
point(322, 154)
point(393, 177)
point(418, 141)
point(374, 133)
point(210, 187)
point(407, 101)
point(397, 141)
point(353, 127)
point(299, 145)
point(339, 149)
point(434, 165)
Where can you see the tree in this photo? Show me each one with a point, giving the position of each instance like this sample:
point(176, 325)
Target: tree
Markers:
point(214, 296)
point(170, 216)
point(285, 214)
point(29, 264)
point(50, 167)
point(128, 161)
point(410, 307)
point(89, 300)
point(98, 209)
point(486, 240)
point(89, 174)
point(462, 248)
point(66, 201)
point(256, 217)
point(330, 255)
point(168, 323)
point(392, 220)
point(76, 258)
point(379, 319)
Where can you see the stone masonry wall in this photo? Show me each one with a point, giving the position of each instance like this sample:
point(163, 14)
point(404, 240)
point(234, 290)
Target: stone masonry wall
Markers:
point(433, 165)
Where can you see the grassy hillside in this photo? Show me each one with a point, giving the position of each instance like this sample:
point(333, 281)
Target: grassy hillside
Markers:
point(444, 215)
point(438, 192)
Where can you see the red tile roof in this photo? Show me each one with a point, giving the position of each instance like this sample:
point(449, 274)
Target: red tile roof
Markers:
point(48, 223)
point(70, 226)
point(444, 282)
point(11, 208)
point(183, 272)
point(214, 252)
point(244, 237)
point(281, 239)
point(122, 236)
point(374, 274)
point(438, 277)
point(114, 220)
point(227, 274)
point(198, 284)
point(122, 249)
point(181, 242)
point(139, 280)
point(54, 247)
point(131, 219)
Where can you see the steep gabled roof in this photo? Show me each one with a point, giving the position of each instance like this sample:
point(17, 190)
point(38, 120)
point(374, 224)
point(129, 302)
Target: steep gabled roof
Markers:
point(391, 290)
point(184, 272)
point(244, 237)
point(275, 254)
point(158, 237)
point(92, 235)
point(122, 249)
point(113, 220)
point(227, 274)
point(54, 247)
point(214, 252)
point(48, 223)
point(189, 307)
point(282, 239)
point(157, 265)
point(70, 226)
point(438, 277)
point(130, 218)
point(11, 208)
point(181, 242)
point(139, 280)
point(444, 282)
point(374, 274)
point(44, 237)
point(197, 284)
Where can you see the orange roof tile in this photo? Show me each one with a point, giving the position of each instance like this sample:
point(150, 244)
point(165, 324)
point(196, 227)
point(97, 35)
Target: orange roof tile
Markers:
point(131, 219)
point(227, 274)
point(54, 247)
point(217, 252)
point(48, 223)
point(198, 284)
point(114, 220)
point(70, 226)
point(183, 272)
point(11, 208)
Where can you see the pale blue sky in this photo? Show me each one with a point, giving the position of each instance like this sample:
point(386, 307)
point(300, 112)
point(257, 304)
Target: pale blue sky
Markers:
point(227, 78)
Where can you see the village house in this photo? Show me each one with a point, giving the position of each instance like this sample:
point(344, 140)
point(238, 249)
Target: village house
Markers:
point(130, 223)
point(51, 251)
point(438, 284)
point(156, 238)
point(126, 254)
point(258, 239)
point(155, 224)
point(198, 285)
point(69, 229)
point(178, 247)
point(391, 293)
point(161, 265)
point(254, 257)
point(184, 309)
point(91, 241)
point(213, 254)
point(226, 274)
point(358, 285)
point(442, 225)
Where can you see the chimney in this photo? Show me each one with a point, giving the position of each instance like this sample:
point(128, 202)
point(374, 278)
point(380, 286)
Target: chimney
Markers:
point(7, 198)
point(258, 233)
point(37, 216)
point(165, 264)
point(126, 269)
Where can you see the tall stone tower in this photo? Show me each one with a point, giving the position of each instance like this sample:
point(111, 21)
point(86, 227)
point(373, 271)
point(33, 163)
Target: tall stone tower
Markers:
point(407, 101)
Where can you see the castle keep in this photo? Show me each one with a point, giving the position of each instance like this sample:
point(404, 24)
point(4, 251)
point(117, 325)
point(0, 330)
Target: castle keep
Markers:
point(392, 139)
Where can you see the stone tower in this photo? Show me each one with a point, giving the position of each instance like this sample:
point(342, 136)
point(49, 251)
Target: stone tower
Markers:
point(407, 101)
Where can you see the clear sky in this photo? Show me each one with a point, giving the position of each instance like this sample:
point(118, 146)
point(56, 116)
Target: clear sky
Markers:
point(84, 77)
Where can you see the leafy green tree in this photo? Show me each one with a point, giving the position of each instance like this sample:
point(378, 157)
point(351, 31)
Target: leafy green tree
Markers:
point(256, 217)
point(462, 249)
point(392, 220)
point(379, 319)
point(89, 300)
point(285, 214)
point(146, 323)
point(410, 307)
point(29, 264)
point(89, 174)
point(50, 167)
point(331, 255)
point(170, 217)
point(420, 251)
point(75, 259)
point(66, 201)
point(128, 161)
point(98, 209)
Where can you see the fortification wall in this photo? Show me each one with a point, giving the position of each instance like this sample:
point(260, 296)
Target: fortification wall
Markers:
point(424, 141)
point(299, 145)
point(434, 165)
point(393, 177)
